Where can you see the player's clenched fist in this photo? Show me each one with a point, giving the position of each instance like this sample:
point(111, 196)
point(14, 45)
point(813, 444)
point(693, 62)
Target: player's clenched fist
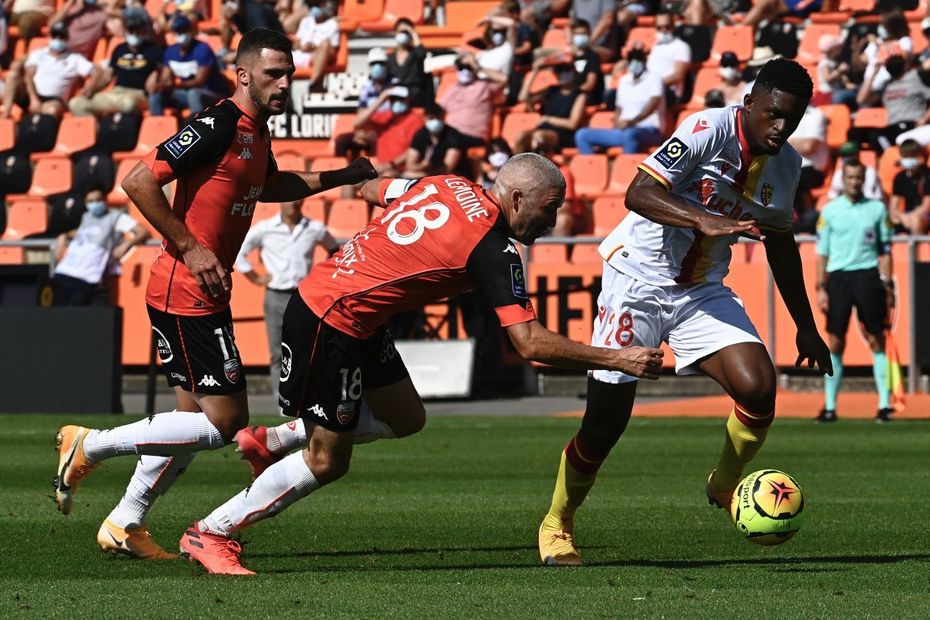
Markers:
point(642, 362)
point(361, 170)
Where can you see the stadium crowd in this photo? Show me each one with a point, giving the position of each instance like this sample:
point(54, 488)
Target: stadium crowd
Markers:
point(89, 86)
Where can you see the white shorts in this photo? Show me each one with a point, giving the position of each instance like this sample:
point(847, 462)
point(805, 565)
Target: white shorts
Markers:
point(695, 320)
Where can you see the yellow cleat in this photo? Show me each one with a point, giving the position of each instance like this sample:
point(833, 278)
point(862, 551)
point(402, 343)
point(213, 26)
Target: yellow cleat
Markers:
point(73, 465)
point(557, 546)
point(135, 542)
point(720, 499)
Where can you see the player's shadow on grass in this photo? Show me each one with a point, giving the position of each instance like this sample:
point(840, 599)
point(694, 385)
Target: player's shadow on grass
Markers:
point(823, 559)
point(432, 551)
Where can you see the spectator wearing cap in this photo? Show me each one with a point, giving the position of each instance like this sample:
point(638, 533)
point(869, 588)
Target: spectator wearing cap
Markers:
point(194, 10)
point(29, 16)
point(833, 82)
point(377, 78)
point(871, 188)
point(86, 21)
point(405, 64)
point(640, 109)
point(669, 58)
point(317, 41)
point(242, 16)
point(561, 107)
point(437, 148)
point(133, 68)
point(909, 207)
point(190, 77)
point(387, 134)
point(44, 82)
point(469, 103)
point(588, 75)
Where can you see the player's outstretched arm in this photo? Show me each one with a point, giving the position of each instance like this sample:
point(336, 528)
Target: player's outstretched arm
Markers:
point(287, 185)
point(536, 343)
point(649, 198)
point(783, 257)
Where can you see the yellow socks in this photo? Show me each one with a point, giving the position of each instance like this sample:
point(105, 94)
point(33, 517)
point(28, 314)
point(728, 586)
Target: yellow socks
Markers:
point(577, 474)
point(745, 435)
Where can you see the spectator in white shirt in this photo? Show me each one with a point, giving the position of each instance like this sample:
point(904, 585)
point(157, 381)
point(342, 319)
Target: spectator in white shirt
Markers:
point(640, 107)
point(286, 243)
point(497, 54)
point(669, 58)
point(96, 249)
point(317, 40)
point(45, 81)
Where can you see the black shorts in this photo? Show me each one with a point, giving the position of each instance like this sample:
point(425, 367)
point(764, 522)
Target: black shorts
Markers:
point(863, 289)
point(198, 353)
point(324, 371)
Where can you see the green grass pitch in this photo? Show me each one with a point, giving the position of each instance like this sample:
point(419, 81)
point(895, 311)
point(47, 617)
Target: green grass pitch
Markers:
point(443, 525)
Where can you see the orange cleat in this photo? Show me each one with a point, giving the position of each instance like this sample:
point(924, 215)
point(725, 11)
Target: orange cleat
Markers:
point(253, 447)
point(218, 554)
point(135, 542)
point(73, 465)
point(557, 546)
point(720, 499)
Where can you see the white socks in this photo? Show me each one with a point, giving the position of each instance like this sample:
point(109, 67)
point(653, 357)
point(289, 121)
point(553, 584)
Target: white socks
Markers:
point(286, 437)
point(152, 478)
point(371, 428)
point(164, 434)
point(278, 487)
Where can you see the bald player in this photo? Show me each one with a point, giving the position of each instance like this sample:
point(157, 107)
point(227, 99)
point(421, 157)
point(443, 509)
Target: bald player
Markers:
point(341, 374)
point(222, 162)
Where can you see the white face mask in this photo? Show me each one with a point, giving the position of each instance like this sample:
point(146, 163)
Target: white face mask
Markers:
point(183, 39)
point(729, 73)
point(580, 40)
point(498, 158)
point(664, 37)
point(498, 38)
point(910, 163)
point(434, 125)
point(402, 38)
point(882, 33)
point(133, 40)
point(58, 45)
point(637, 67)
point(96, 208)
point(465, 76)
point(399, 107)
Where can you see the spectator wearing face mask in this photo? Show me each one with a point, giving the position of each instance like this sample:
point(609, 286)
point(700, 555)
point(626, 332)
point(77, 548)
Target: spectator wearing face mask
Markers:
point(498, 153)
point(96, 248)
point(44, 82)
point(732, 83)
point(902, 94)
point(669, 58)
point(893, 38)
point(640, 109)
point(437, 149)
point(600, 17)
point(909, 207)
point(86, 21)
point(388, 134)
point(588, 75)
point(561, 107)
point(377, 78)
point(190, 78)
point(405, 64)
point(133, 67)
point(469, 103)
point(499, 36)
point(317, 41)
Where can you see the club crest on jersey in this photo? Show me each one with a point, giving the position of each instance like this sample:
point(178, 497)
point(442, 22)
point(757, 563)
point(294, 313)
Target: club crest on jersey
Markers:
point(673, 150)
point(766, 194)
point(232, 370)
point(182, 142)
point(518, 281)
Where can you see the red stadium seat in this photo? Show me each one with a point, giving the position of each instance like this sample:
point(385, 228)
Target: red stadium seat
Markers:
point(590, 173)
point(608, 212)
point(361, 10)
point(291, 162)
point(550, 253)
point(809, 48)
point(646, 36)
point(555, 39)
point(585, 254)
point(75, 134)
point(50, 176)
point(314, 209)
point(856, 6)
point(10, 255)
point(838, 119)
point(517, 122)
point(321, 164)
point(871, 117)
point(154, 131)
point(7, 134)
point(347, 217)
point(623, 172)
point(602, 120)
point(737, 39)
point(888, 167)
point(26, 217)
point(394, 10)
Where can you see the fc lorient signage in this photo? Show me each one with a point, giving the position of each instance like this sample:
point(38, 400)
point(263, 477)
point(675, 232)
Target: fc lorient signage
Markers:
point(309, 117)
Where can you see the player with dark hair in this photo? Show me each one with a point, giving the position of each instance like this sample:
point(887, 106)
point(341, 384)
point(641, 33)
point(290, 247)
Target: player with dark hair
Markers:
point(724, 173)
point(341, 374)
point(223, 165)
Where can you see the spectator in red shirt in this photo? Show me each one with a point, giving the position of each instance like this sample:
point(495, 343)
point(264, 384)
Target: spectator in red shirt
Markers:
point(390, 132)
point(87, 24)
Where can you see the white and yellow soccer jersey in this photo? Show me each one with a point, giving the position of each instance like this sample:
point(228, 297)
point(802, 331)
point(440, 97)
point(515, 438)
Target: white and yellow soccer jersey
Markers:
point(707, 164)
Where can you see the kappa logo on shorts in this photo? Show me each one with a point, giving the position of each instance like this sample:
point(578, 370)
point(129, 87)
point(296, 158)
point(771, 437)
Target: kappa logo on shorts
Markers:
point(518, 281)
point(182, 142)
point(232, 369)
point(317, 410)
point(287, 361)
point(345, 411)
point(209, 381)
point(673, 150)
point(164, 347)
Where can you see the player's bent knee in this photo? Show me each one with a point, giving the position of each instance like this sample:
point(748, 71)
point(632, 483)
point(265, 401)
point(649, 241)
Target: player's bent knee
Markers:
point(327, 466)
point(410, 424)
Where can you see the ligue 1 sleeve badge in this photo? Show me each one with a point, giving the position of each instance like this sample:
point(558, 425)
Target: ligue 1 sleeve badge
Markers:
point(766, 194)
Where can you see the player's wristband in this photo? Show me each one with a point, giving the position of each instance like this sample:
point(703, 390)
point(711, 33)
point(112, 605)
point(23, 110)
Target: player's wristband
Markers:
point(344, 176)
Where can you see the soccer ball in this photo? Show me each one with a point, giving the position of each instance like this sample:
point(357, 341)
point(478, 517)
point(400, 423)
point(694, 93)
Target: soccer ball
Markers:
point(768, 507)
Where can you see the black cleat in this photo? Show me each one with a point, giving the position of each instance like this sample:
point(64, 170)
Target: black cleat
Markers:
point(827, 415)
point(884, 415)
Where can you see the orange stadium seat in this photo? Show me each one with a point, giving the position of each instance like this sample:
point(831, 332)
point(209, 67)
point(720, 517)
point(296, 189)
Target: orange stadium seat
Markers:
point(394, 10)
point(26, 217)
point(888, 168)
point(608, 211)
point(590, 173)
point(10, 255)
point(361, 10)
point(706, 79)
point(550, 253)
point(50, 176)
point(917, 36)
point(646, 36)
point(265, 210)
point(291, 162)
point(314, 209)
point(871, 117)
point(602, 120)
point(517, 122)
point(585, 254)
point(555, 38)
point(7, 134)
point(347, 217)
point(542, 81)
point(623, 172)
point(461, 17)
point(856, 6)
point(838, 119)
point(75, 134)
point(343, 123)
point(117, 196)
point(154, 131)
point(737, 39)
point(809, 48)
point(328, 163)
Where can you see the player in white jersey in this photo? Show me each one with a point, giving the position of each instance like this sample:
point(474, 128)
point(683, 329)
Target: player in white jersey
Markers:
point(724, 173)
